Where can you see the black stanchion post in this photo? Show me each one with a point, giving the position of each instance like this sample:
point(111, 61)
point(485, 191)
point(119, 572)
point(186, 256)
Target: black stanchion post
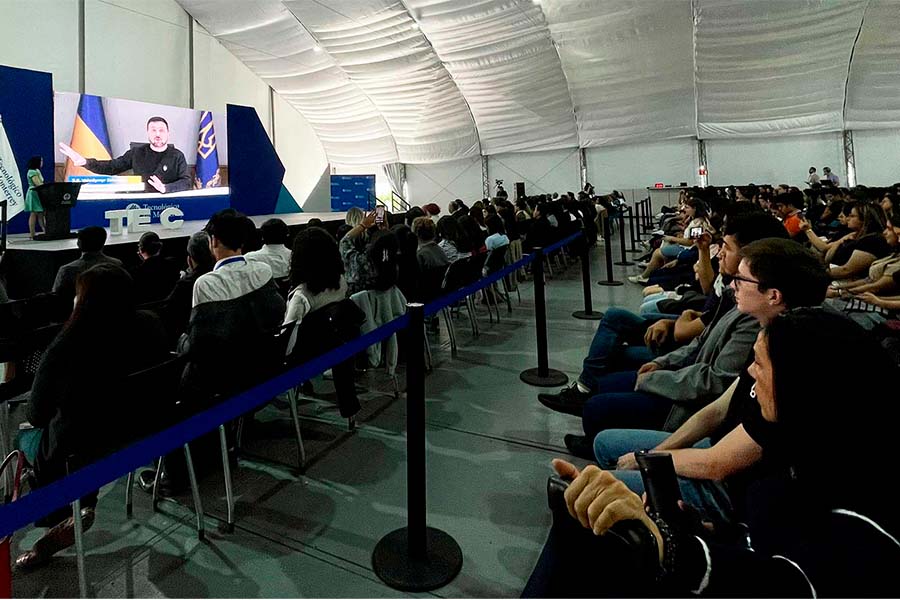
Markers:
point(609, 263)
point(623, 261)
point(634, 239)
point(416, 558)
point(648, 214)
point(543, 375)
point(588, 313)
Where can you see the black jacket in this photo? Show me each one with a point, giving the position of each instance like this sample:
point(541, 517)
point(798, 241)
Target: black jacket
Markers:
point(170, 166)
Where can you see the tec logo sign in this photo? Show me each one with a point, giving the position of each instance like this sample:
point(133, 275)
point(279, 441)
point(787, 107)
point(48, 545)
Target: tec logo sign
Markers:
point(139, 219)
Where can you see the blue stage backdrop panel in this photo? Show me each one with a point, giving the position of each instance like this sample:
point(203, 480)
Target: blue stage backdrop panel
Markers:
point(26, 104)
point(348, 191)
point(255, 172)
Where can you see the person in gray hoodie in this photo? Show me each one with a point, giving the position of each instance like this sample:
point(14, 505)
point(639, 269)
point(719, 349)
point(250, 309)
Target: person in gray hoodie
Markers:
point(774, 275)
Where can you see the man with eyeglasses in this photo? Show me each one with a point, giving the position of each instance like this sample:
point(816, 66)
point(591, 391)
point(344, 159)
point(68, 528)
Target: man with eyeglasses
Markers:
point(625, 341)
point(774, 275)
point(724, 438)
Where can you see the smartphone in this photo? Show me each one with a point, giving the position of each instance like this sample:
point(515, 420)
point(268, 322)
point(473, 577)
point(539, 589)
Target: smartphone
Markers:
point(696, 232)
point(379, 214)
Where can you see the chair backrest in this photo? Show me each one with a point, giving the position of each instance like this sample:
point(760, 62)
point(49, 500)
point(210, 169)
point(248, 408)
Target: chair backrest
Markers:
point(325, 329)
point(496, 259)
point(430, 283)
point(19, 317)
point(456, 275)
point(476, 266)
point(154, 395)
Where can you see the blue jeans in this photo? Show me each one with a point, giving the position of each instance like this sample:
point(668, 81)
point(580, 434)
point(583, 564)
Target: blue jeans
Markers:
point(608, 351)
point(708, 496)
point(618, 406)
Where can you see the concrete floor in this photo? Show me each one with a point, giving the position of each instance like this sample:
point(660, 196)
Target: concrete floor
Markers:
point(489, 446)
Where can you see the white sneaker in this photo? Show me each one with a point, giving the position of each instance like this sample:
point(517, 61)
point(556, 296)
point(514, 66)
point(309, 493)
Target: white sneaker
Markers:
point(638, 279)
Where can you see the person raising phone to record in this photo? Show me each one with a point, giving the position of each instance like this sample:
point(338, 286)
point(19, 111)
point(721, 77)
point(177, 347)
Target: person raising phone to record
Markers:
point(161, 166)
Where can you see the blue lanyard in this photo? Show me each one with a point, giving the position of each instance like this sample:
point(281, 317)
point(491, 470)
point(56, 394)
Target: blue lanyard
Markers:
point(227, 261)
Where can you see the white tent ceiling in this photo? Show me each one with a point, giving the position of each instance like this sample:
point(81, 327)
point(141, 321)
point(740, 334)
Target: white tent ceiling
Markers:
point(425, 81)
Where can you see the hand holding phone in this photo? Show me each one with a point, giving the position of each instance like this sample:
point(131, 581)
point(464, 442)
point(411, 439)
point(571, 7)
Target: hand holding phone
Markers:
point(696, 232)
point(379, 214)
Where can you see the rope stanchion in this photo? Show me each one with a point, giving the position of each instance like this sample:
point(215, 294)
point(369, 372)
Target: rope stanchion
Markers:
point(631, 228)
point(588, 313)
point(416, 558)
point(543, 375)
point(623, 261)
point(607, 247)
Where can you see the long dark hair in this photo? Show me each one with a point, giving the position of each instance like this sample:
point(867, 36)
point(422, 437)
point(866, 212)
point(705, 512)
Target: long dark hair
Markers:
point(316, 261)
point(448, 228)
point(34, 162)
point(854, 405)
point(104, 311)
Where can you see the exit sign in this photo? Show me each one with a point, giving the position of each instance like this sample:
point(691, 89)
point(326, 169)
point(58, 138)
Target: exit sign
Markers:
point(659, 185)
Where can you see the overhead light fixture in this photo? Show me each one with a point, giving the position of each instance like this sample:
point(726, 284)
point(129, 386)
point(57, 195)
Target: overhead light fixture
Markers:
point(536, 2)
point(414, 25)
point(317, 48)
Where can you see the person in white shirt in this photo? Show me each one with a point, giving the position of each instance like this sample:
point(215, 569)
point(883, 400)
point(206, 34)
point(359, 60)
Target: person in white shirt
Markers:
point(813, 177)
point(274, 252)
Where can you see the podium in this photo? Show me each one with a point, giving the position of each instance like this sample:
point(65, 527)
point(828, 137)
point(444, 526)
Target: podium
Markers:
point(57, 200)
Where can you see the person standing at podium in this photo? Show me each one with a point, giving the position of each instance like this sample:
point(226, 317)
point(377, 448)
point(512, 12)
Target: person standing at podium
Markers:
point(162, 167)
point(32, 202)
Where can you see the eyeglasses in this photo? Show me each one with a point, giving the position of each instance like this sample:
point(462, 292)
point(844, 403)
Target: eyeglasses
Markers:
point(737, 279)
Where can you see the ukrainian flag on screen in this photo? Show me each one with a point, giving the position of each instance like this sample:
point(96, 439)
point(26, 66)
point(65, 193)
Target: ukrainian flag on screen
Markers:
point(90, 138)
point(207, 155)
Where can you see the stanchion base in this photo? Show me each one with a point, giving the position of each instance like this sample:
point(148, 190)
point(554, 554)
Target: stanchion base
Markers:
point(553, 378)
point(440, 565)
point(624, 263)
point(587, 316)
point(610, 283)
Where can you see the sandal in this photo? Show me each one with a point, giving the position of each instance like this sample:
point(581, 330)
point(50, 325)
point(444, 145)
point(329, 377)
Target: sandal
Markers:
point(60, 537)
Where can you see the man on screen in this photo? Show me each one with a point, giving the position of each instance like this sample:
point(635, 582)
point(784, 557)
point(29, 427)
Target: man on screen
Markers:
point(161, 166)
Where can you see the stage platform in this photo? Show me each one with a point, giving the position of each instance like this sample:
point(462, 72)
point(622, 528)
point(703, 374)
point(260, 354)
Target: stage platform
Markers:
point(29, 266)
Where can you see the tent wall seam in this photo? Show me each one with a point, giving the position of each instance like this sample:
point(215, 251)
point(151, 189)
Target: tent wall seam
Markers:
point(337, 65)
point(862, 20)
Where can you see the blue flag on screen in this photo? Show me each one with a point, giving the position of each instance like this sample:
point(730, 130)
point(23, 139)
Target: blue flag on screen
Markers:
point(207, 155)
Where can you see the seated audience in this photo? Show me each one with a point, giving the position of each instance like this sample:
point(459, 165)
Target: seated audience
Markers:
point(429, 255)
point(317, 276)
point(625, 341)
point(236, 308)
point(888, 202)
point(180, 301)
point(274, 253)
point(431, 210)
point(807, 533)
point(497, 233)
point(90, 242)
point(357, 266)
point(453, 240)
point(774, 275)
point(155, 277)
point(788, 207)
point(694, 214)
point(851, 255)
point(76, 397)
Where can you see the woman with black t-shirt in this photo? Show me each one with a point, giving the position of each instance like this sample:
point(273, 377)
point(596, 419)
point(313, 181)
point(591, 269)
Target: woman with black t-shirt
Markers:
point(851, 255)
point(818, 522)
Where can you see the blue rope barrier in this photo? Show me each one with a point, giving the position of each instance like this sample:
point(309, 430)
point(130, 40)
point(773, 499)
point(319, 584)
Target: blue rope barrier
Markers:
point(561, 243)
point(62, 492)
point(45, 500)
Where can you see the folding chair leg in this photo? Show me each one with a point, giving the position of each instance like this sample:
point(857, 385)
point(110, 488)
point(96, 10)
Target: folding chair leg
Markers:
point(429, 366)
point(129, 495)
point(493, 299)
point(549, 268)
point(79, 549)
point(195, 492)
point(450, 331)
point(508, 295)
point(156, 480)
point(6, 446)
point(396, 385)
point(295, 417)
point(470, 307)
point(226, 468)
